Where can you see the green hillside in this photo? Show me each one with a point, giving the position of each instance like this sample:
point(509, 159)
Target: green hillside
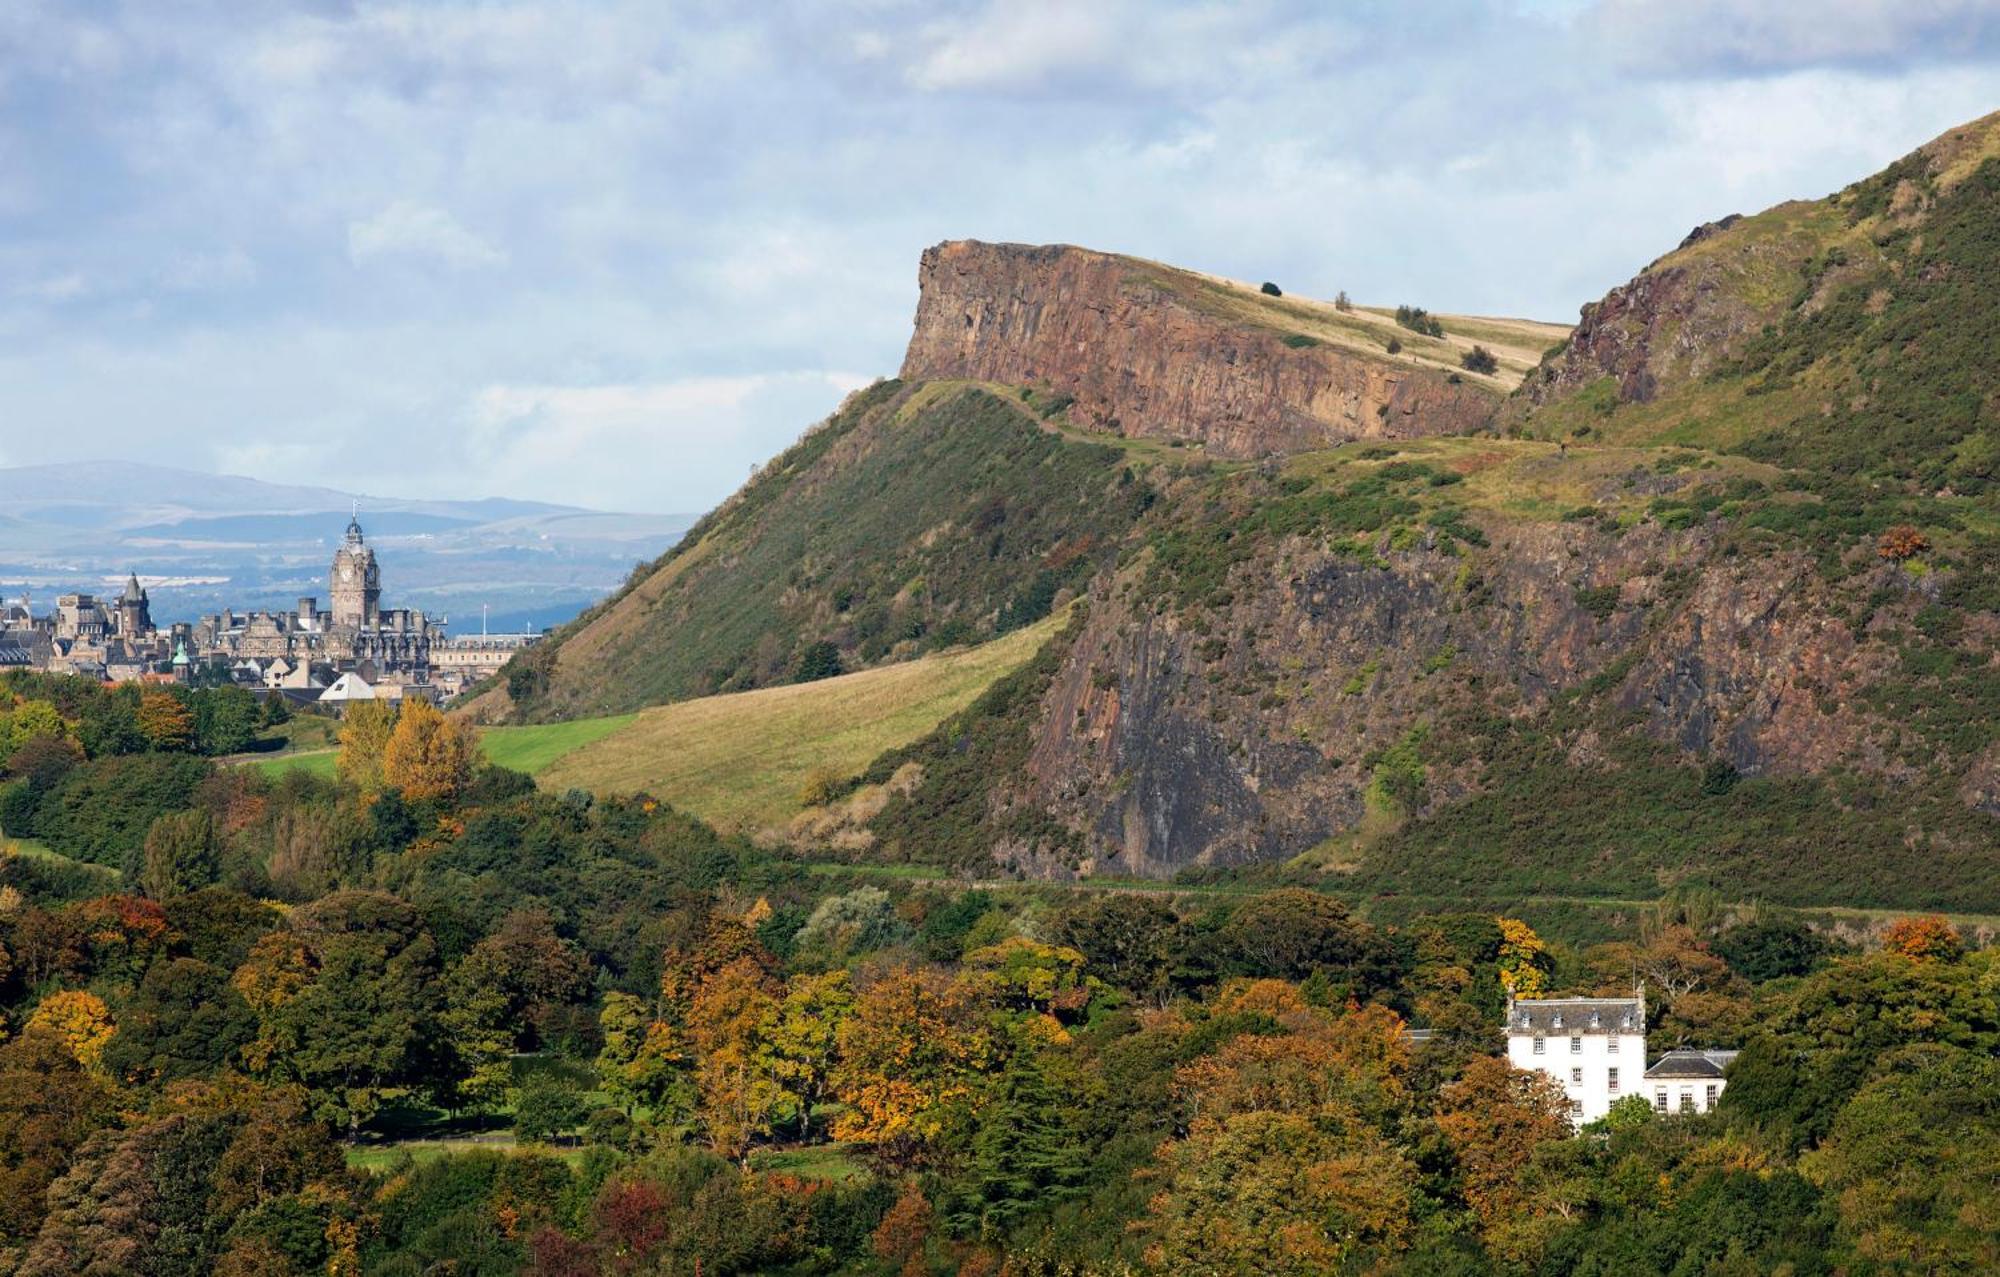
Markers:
point(916, 518)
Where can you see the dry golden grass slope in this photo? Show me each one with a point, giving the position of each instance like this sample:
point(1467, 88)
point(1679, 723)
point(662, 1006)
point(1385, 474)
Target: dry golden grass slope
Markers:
point(1518, 344)
point(740, 761)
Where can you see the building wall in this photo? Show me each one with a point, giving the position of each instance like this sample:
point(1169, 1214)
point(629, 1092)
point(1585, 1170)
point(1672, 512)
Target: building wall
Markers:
point(1683, 1095)
point(1584, 1064)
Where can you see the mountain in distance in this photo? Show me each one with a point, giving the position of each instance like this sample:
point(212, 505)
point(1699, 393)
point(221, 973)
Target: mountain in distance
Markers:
point(1705, 591)
point(204, 541)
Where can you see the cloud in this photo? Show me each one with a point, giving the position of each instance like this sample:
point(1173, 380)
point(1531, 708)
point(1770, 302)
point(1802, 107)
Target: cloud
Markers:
point(601, 254)
point(404, 229)
point(1763, 36)
point(676, 439)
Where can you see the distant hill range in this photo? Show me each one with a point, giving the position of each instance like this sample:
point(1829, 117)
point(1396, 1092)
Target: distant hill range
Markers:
point(1706, 591)
point(205, 541)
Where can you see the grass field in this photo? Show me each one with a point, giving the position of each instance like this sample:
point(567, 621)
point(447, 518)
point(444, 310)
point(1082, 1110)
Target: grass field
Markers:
point(738, 761)
point(318, 762)
point(534, 749)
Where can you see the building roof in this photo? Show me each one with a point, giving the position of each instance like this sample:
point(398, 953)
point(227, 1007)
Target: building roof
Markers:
point(1689, 1062)
point(349, 687)
point(1577, 1015)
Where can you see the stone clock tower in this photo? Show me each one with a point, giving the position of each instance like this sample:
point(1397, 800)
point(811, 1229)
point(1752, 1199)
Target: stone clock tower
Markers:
point(356, 582)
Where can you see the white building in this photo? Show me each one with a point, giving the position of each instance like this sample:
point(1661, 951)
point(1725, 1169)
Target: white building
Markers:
point(1687, 1080)
point(1595, 1047)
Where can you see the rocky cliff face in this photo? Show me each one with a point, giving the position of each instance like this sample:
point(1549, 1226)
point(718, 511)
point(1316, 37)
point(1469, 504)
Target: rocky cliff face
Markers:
point(1170, 740)
point(1147, 352)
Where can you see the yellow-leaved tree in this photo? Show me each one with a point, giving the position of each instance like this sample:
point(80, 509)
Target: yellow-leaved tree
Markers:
point(428, 755)
point(1524, 959)
point(364, 736)
point(81, 1021)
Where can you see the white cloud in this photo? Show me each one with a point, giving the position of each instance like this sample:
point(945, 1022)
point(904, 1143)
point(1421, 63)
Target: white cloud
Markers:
point(649, 439)
point(56, 288)
point(1767, 35)
point(256, 231)
point(404, 229)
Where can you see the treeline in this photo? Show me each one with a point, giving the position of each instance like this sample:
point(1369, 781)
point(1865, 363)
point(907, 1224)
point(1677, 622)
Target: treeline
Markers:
point(704, 1054)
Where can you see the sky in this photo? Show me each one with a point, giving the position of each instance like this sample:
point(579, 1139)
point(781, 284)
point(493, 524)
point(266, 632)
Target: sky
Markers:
point(615, 254)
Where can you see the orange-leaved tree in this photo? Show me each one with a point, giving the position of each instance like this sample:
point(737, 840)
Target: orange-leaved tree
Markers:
point(1494, 1118)
point(428, 756)
point(911, 1058)
point(1926, 937)
point(165, 721)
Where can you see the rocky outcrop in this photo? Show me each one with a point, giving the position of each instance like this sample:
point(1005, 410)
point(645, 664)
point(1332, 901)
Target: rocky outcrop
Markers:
point(1171, 739)
point(1162, 354)
point(1670, 324)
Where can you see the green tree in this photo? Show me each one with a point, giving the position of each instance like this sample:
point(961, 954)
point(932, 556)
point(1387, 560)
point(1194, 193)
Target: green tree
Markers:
point(347, 1000)
point(816, 661)
point(225, 720)
point(804, 1039)
point(1912, 1162)
point(1026, 1153)
point(547, 1105)
point(181, 854)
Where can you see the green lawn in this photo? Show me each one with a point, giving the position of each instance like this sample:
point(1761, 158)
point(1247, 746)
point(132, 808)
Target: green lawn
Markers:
point(830, 1162)
point(318, 762)
point(739, 761)
point(533, 749)
point(521, 749)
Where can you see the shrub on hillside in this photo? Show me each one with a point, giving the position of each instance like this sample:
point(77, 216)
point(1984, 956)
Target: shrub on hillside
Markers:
point(1481, 360)
point(1271, 290)
point(1419, 320)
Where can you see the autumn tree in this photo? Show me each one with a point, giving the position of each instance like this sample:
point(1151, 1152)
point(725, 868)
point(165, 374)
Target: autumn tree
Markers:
point(1278, 1193)
point(804, 1037)
point(365, 728)
point(166, 721)
point(910, 1061)
point(1902, 542)
point(1926, 938)
point(428, 756)
point(1494, 1118)
point(901, 1237)
point(79, 1020)
point(49, 1105)
point(729, 1025)
point(1523, 959)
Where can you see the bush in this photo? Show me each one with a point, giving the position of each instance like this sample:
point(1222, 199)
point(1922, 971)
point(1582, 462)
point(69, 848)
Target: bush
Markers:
point(819, 660)
point(1481, 360)
point(1419, 320)
point(1271, 290)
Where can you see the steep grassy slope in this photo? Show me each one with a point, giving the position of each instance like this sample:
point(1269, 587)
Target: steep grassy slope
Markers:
point(1853, 335)
point(740, 761)
point(916, 518)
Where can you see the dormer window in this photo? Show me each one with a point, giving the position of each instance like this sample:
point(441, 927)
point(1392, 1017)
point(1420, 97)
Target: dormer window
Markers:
point(1559, 1020)
point(1595, 1019)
